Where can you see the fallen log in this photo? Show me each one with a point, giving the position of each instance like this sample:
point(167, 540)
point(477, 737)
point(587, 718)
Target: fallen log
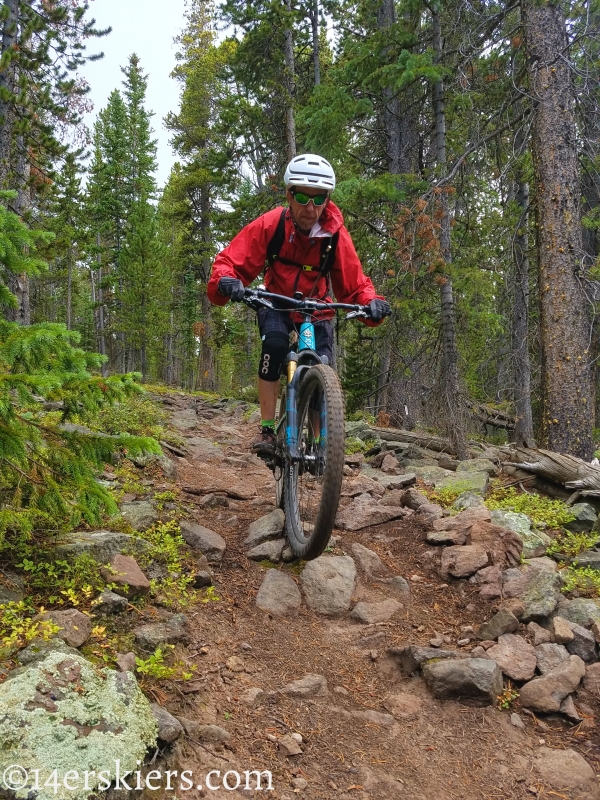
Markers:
point(426, 440)
point(571, 472)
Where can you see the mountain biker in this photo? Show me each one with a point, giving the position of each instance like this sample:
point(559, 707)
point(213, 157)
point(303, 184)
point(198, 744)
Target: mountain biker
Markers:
point(299, 266)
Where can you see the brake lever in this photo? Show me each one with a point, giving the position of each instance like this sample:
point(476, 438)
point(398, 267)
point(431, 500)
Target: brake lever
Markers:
point(355, 314)
point(254, 302)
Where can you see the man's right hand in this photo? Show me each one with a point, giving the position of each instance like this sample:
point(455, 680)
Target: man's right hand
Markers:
point(231, 287)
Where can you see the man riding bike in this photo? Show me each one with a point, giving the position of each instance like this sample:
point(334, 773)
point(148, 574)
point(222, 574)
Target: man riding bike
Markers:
point(314, 255)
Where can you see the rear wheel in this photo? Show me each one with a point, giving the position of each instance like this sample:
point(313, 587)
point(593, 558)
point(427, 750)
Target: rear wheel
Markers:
point(279, 471)
point(313, 485)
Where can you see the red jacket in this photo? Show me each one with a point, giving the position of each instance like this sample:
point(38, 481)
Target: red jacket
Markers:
point(245, 258)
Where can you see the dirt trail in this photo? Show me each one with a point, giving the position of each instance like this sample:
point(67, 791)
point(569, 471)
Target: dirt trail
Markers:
point(430, 751)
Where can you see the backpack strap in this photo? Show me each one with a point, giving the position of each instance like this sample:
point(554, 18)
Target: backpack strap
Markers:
point(276, 242)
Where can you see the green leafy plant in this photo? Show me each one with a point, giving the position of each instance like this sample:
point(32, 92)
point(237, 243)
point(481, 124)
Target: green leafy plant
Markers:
point(17, 627)
point(161, 498)
point(154, 666)
point(56, 582)
point(541, 510)
point(571, 544)
point(168, 548)
point(508, 697)
point(210, 595)
point(447, 495)
point(583, 580)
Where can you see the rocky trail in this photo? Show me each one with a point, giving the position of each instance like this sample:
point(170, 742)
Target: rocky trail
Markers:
point(366, 674)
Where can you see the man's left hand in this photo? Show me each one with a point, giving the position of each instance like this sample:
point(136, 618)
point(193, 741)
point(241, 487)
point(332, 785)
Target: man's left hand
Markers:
point(378, 309)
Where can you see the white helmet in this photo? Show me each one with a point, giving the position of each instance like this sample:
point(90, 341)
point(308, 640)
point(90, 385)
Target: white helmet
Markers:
point(310, 170)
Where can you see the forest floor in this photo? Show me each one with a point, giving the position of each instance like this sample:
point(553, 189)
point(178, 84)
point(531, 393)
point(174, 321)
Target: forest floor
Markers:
point(428, 750)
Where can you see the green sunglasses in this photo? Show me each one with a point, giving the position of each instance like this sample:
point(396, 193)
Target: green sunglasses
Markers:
point(304, 199)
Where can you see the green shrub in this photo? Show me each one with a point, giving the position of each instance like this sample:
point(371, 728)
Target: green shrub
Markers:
point(541, 510)
point(583, 580)
point(571, 544)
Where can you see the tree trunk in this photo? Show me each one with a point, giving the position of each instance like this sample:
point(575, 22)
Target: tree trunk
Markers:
point(314, 21)
point(567, 397)
point(19, 284)
point(449, 379)
point(289, 83)
point(7, 85)
point(520, 318)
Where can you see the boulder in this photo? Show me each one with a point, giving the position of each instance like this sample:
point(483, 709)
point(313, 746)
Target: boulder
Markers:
point(75, 628)
point(368, 560)
point(267, 551)
point(585, 518)
point(268, 527)
point(155, 634)
point(545, 694)
point(414, 499)
point(504, 546)
point(580, 610)
point(139, 514)
point(278, 594)
point(560, 630)
point(68, 714)
point(169, 727)
point(565, 770)
point(362, 485)
point(467, 500)
point(515, 657)
point(460, 562)
point(539, 595)
point(540, 635)
point(447, 538)
point(364, 512)
point(125, 573)
point(591, 681)
point(502, 622)
point(328, 584)
point(412, 657)
point(372, 613)
point(472, 681)
point(99, 545)
point(204, 540)
point(478, 465)
point(550, 655)
point(476, 481)
point(38, 649)
point(583, 643)
point(464, 520)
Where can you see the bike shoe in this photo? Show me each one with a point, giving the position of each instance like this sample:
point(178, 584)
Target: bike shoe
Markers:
point(264, 444)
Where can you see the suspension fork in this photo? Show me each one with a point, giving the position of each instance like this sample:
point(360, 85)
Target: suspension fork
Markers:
point(291, 409)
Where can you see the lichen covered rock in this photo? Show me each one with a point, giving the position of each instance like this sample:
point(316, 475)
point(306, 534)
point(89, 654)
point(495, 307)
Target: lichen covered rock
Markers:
point(64, 714)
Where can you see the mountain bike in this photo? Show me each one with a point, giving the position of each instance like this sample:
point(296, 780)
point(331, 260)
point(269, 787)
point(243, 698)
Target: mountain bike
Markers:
point(309, 456)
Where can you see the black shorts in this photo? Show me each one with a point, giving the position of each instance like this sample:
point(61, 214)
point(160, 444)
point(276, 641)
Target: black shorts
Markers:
point(272, 321)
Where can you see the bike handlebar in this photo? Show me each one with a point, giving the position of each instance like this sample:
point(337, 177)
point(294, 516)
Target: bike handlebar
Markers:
point(305, 304)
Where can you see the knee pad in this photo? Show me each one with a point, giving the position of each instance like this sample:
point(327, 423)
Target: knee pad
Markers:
point(275, 347)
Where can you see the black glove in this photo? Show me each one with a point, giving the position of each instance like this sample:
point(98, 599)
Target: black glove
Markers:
point(378, 309)
point(231, 287)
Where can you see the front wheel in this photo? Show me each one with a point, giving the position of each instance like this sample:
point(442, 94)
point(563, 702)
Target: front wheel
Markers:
point(279, 471)
point(313, 485)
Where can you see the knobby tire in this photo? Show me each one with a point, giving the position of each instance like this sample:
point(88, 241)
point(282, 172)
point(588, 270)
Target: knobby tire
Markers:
point(309, 525)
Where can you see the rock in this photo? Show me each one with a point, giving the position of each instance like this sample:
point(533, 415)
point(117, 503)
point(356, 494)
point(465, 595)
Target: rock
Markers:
point(252, 697)
point(278, 594)
point(12, 590)
point(550, 655)
point(398, 583)
point(515, 657)
point(429, 513)
point(156, 634)
point(542, 563)
point(460, 562)
point(368, 560)
point(447, 537)
point(74, 627)
point(562, 770)
point(545, 694)
point(467, 500)
point(309, 686)
point(354, 460)
point(581, 611)
point(66, 713)
point(126, 662)
point(567, 707)
point(477, 465)
point(110, 603)
point(516, 721)
point(211, 734)
point(268, 527)
point(472, 681)
point(502, 622)
point(267, 551)
point(412, 657)
point(398, 482)
point(139, 514)
point(585, 517)
point(38, 649)
point(289, 746)
point(362, 485)
point(202, 449)
point(359, 430)
point(518, 523)
point(364, 512)
point(412, 498)
point(372, 613)
point(288, 555)
point(169, 728)
point(463, 521)
point(328, 584)
point(300, 784)
point(428, 471)
point(127, 576)
point(490, 579)
point(591, 681)
point(540, 635)
point(204, 540)
point(541, 596)
point(560, 631)
point(366, 717)
point(389, 464)
point(583, 643)
point(403, 705)
point(202, 579)
point(504, 546)
point(99, 545)
point(515, 606)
